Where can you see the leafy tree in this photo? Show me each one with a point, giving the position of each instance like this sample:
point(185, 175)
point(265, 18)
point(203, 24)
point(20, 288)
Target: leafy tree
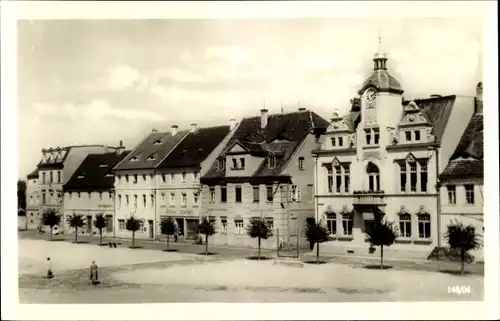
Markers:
point(133, 225)
point(316, 233)
point(382, 233)
point(462, 238)
point(260, 229)
point(168, 227)
point(100, 223)
point(21, 197)
point(76, 221)
point(206, 227)
point(51, 218)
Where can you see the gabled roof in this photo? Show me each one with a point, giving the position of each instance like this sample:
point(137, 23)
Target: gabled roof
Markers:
point(467, 160)
point(437, 110)
point(33, 174)
point(151, 151)
point(282, 135)
point(195, 147)
point(95, 172)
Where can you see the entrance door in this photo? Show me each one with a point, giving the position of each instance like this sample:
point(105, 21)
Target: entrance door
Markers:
point(89, 224)
point(191, 228)
point(151, 229)
point(109, 223)
point(180, 225)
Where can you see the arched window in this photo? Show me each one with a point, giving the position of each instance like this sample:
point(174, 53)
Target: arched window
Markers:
point(347, 223)
point(404, 225)
point(424, 226)
point(373, 177)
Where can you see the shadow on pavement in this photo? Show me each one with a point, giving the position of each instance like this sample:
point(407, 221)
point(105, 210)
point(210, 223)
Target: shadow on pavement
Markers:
point(454, 272)
point(315, 262)
point(171, 250)
point(208, 254)
point(256, 258)
point(81, 242)
point(377, 267)
point(136, 247)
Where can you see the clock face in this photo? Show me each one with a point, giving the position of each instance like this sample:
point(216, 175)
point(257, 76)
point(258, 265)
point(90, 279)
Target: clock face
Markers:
point(370, 96)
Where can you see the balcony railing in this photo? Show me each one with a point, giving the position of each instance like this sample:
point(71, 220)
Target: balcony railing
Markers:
point(369, 198)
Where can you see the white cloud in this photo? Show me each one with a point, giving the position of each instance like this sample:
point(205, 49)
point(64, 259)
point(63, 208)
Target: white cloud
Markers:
point(122, 77)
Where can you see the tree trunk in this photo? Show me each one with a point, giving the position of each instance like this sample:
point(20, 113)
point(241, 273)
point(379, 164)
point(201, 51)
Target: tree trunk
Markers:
point(259, 248)
point(100, 236)
point(76, 234)
point(462, 261)
point(133, 239)
point(168, 242)
point(50, 235)
point(206, 244)
point(381, 257)
point(317, 253)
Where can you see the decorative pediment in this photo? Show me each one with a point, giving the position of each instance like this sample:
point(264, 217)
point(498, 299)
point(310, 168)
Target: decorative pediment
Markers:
point(237, 147)
point(338, 125)
point(411, 107)
point(414, 118)
point(422, 210)
point(335, 162)
point(410, 158)
point(345, 210)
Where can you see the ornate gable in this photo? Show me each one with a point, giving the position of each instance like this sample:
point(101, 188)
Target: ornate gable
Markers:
point(410, 158)
point(412, 116)
point(338, 124)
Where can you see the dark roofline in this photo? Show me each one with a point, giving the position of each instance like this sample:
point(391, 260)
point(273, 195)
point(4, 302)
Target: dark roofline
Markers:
point(406, 102)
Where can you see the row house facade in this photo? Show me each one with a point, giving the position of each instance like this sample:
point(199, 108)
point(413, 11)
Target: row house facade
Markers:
point(56, 167)
point(264, 170)
point(382, 160)
point(136, 182)
point(463, 178)
point(178, 176)
point(90, 191)
point(32, 200)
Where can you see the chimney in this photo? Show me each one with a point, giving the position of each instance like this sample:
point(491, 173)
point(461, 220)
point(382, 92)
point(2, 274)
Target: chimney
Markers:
point(120, 148)
point(263, 118)
point(174, 130)
point(194, 127)
point(232, 123)
point(154, 130)
point(302, 109)
point(479, 98)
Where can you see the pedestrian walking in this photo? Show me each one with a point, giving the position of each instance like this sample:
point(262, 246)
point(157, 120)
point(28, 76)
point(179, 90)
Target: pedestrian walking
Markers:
point(48, 268)
point(94, 275)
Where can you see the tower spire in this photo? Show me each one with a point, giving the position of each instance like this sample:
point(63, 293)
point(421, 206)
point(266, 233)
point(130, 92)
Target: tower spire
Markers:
point(380, 58)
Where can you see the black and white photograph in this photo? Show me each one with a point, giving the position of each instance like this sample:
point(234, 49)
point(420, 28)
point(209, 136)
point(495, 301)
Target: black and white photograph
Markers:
point(246, 158)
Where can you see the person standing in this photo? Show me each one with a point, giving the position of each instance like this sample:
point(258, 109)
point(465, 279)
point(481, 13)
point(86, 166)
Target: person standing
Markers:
point(94, 277)
point(48, 267)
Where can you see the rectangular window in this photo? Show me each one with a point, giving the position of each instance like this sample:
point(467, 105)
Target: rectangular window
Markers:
point(184, 199)
point(452, 194)
point(196, 197)
point(183, 177)
point(368, 136)
point(126, 199)
point(294, 193)
point(405, 225)
point(59, 176)
point(100, 196)
point(417, 135)
point(235, 163)
point(341, 141)
point(240, 228)
point(43, 178)
point(469, 193)
point(144, 178)
point(162, 198)
point(144, 200)
point(172, 199)
point(269, 193)
point(270, 222)
point(408, 136)
point(212, 194)
point(424, 226)
point(334, 141)
point(256, 193)
point(135, 179)
point(172, 178)
point(376, 136)
point(135, 201)
point(331, 223)
point(163, 178)
point(51, 177)
point(121, 224)
point(423, 177)
point(338, 179)
point(223, 194)
point(242, 163)
point(301, 163)
point(347, 224)
point(152, 197)
point(402, 176)
point(223, 223)
point(413, 176)
point(330, 180)
point(44, 200)
point(347, 177)
point(119, 201)
point(195, 176)
point(126, 178)
point(237, 194)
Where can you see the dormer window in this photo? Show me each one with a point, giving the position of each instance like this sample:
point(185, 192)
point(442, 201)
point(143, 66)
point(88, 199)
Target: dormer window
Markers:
point(341, 141)
point(158, 142)
point(221, 164)
point(242, 163)
point(272, 162)
point(235, 163)
point(408, 136)
point(417, 135)
point(151, 158)
point(103, 165)
point(134, 159)
point(80, 176)
point(108, 175)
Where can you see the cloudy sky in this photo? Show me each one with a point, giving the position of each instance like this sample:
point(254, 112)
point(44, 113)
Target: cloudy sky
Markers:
point(99, 81)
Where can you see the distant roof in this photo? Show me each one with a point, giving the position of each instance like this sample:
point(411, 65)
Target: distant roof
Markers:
point(33, 174)
point(382, 81)
point(437, 110)
point(95, 172)
point(55, 157)
point(467, 160)
point(151, 151)
point(195, 147)
point(281, 137)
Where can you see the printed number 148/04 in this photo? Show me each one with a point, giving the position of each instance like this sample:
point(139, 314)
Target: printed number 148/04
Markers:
point(459, 289)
